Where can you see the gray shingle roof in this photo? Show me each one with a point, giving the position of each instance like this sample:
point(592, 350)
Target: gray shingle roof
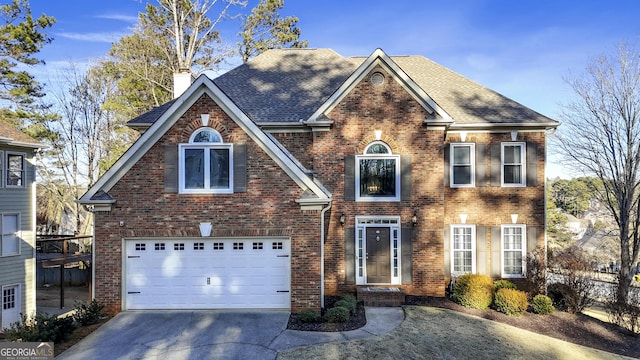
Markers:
point(285, 85)
point(288, 85)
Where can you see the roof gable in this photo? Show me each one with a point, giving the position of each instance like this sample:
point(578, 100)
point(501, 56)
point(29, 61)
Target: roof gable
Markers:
point(202, 86)
point(379, 58)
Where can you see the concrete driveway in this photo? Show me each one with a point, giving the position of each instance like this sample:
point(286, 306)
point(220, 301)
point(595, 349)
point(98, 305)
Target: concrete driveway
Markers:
point(184, 335)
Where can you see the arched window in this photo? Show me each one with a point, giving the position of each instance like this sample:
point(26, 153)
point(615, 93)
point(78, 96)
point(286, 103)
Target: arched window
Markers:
point(378, 174)
point(206, 164)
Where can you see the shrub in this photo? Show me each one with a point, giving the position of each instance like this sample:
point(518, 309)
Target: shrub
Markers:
point(536, 280)
point(503, 284)
point(473, 291)
point(40, 327)
point(511, 302)
point(337, 314)
point(541, 304)
point(88, 314)
point(347, 305)
point(574, 266)
point(308, 315)
point(350, 298)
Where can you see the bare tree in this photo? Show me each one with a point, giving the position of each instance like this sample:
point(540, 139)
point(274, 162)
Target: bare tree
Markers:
point(602, 139)
point(86, 132)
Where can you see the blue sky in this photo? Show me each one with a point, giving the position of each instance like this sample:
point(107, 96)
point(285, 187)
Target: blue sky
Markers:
point(520, 48)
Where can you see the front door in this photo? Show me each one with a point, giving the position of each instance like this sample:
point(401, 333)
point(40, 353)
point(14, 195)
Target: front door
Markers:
point(378, 255)
point(10, 305)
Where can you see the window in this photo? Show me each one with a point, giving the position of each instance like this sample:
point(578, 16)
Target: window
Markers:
point(238, 246)
point(10, 227)
point(9, 297)
point(513, 165)
point(257, 246)
point(206, 164)
point(218, 246)
point(462, 165)
point(513, 250)
point(15, 170)
point(159, 246)
point(378, 174)
point(463, 248)
point(178, 246)
point(276, 246)
point(198, 246)
point(141, 247)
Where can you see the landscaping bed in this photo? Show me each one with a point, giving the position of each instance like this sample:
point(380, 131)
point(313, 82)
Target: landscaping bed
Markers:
point(355, 321)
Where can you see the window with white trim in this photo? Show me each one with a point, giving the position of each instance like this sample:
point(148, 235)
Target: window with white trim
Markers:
point(462, 165)
point(377, 174)
point(10, 233)
point(514, 244)
point(463, 249)
point(206, 164)
point(513, 164)
point(15, 166)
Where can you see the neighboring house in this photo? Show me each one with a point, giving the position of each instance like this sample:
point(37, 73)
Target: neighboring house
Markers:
point(303, 173)
point(17, 223)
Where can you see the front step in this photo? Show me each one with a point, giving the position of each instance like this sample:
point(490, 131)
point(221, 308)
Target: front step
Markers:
point(380, 296)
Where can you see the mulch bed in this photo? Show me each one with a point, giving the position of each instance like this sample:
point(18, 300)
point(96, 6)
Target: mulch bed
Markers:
point(355, 321)
point(575, 328)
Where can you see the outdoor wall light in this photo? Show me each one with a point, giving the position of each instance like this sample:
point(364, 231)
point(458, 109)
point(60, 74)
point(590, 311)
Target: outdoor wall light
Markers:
point(343, 219)
point(414, 218)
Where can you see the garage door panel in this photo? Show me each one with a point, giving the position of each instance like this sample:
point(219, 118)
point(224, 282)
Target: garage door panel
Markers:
point(207, 274)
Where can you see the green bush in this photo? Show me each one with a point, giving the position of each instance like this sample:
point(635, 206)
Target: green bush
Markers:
point(511, 302)
point(40, 327)
point(541, 304)
point(308, 315)
point(337, 314)
point(473, 291)
point(503, 284)
point(88, 314)
point(350, 298)
point(351, 306)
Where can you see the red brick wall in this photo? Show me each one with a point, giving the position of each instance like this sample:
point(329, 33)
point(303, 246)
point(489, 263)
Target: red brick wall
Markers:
point(268, 208)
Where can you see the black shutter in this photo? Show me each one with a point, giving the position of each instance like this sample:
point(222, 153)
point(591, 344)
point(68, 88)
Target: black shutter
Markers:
point(171, 168)
point(239, 168)
point(447, 170)
point(350, 178)
point(481, 165)
point(405, 178)
point(496, 171)
point(350, 255)
point(407, 255)
point(532, 164)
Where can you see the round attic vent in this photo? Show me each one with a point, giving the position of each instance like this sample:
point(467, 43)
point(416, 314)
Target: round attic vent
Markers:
point(377, 78)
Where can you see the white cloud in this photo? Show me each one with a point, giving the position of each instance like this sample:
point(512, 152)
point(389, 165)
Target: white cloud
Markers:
point(107, 37)
point(132, 19)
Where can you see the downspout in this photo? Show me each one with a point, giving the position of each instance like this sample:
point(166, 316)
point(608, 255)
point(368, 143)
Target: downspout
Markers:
point(322, 254)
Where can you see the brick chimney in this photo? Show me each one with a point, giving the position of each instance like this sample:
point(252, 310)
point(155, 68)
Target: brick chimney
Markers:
point(181, 82)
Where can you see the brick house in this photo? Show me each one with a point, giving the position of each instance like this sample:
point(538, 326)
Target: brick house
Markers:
point(303, 173)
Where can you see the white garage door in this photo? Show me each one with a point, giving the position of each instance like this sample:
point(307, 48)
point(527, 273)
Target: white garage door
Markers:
point(207, 274)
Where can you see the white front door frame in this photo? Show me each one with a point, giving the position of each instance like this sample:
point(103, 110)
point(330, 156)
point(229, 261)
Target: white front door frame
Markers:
point(395, 266)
